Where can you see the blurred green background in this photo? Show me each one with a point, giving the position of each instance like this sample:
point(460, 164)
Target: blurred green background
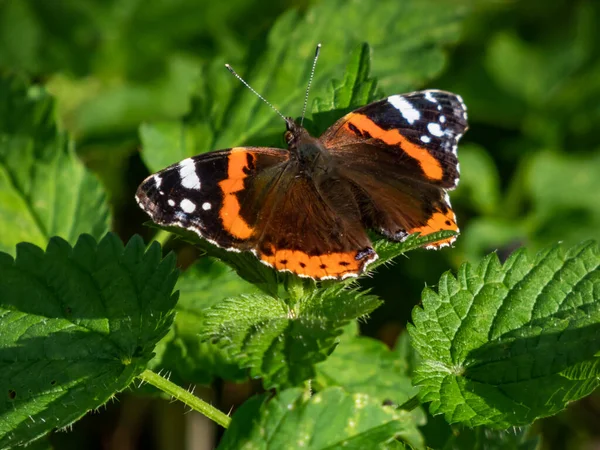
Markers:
point(129, 76)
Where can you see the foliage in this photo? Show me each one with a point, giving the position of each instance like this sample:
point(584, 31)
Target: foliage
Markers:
point(329, 419)
point(206, 283)
point(502, 345)
point(44, 190)
point(95, 95)
point(78, 324)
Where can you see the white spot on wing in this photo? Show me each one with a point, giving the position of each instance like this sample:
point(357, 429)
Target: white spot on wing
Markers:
point(206, 206)
point(442, 119)
point(430, 97)
point(187, 206)
point(426, 139)
point(407, 110)
point(171, 202)
point(187, 172)
point(157, 181)
point(435, 129)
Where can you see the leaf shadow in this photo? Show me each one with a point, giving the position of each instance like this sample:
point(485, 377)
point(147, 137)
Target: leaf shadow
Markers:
point(525, 378)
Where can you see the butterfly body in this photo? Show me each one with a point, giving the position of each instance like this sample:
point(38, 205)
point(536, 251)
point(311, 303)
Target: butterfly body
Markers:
point(386, 166)
point(308, 152)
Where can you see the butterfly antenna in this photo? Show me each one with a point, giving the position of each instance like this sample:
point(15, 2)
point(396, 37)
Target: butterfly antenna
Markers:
point(253, 91)
point(312, 75)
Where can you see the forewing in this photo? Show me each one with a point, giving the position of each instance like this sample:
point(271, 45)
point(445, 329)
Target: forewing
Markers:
point(412, 135)
point(218, 195)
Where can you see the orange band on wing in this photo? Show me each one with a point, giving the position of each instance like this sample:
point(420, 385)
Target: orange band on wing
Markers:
point(336, 265)
point(439, 221)
point(430, 166)
point(230, 211)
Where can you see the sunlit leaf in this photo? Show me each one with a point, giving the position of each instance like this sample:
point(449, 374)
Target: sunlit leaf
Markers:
point(502, 345)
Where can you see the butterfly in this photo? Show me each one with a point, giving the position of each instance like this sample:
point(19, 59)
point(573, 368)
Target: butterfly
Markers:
point(386, 167)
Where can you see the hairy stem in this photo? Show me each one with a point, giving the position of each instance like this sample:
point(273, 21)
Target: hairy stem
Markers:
point(184, 396)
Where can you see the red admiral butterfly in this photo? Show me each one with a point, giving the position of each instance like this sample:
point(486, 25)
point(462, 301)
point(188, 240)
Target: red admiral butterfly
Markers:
point(386, 166)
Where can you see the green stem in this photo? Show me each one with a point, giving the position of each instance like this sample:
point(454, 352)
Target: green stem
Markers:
point(184, 396)
point(162, 237)
point(410, 404)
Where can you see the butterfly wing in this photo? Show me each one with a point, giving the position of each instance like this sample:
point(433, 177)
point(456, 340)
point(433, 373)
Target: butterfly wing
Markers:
point(253, 198)
point(217, 194)
point(400, 154)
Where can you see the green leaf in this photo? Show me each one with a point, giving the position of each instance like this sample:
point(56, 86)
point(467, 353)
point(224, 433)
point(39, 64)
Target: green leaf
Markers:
point(182, 353)
point(44, 190)
point(363, 364)
point(502, 345)
point(281, 342)
point(329, 419)
point(78, 324)
point(357, 89)
point(388, 250)
point(226, 114)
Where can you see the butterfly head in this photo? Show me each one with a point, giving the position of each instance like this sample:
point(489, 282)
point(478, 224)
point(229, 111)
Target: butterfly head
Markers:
point(293, 132)
point(307, 150)
point(296, 135)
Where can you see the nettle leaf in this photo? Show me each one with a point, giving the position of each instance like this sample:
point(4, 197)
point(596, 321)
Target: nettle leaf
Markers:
point(502, 345)
point(357, 88)
point(281, 342)
point(182, 353)
point(226, 114)
point(363, 364)
point(329, 419)
point(388, 250)
point(78, 324)
point(44, 190)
